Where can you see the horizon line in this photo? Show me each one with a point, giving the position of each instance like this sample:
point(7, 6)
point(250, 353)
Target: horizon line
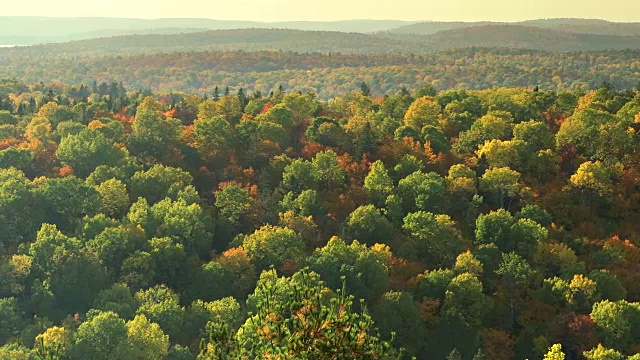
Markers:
point(310, 21)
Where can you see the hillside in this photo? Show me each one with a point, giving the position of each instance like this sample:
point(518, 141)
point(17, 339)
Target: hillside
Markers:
point(432, 27)
point(528, 37)
point(587, 26)
point(222, 40)
point(37, 30)
point(181, 40)
point(579, 26)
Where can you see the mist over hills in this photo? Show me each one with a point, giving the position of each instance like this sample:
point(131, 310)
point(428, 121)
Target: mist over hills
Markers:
point(38, 30)
point(178, 40)
point(580, 26)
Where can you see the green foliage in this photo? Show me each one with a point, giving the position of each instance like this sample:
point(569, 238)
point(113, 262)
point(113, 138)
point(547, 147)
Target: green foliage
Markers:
point(159, 182)
point(161, 305)
point(272, 245)
point(502, 185)
point(364, 270)
point(420, 191)
point(433, 238)
point(145, 340)
point(378, 182)
point(68, 199)
point(186, 198)
point(368, 225)
point(102, 336)
point(87, 150)
point(11, 319)
point(308, 324)
point(233, 201)
point(617, 322)
point(16, 158)
point(602, 353)
point(464, 300)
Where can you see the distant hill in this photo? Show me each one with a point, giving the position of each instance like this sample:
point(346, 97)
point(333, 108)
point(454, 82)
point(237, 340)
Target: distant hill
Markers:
point(528, 37)
point(580, 26)
point(223, 40)
point(432, 27)
point(587, 26)
point(37, 30)
point(504, 36)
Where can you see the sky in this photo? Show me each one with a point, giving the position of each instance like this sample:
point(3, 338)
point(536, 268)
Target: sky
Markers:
point(327, 10)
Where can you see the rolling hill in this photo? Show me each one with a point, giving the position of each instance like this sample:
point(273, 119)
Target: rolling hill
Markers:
point(220, 40)
point(579, 26)
point(504, 36)
point(528, 37)
point(37, 30)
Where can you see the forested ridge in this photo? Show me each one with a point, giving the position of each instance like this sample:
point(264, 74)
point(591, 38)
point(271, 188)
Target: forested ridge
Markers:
point(331, 75)
point(454, 224)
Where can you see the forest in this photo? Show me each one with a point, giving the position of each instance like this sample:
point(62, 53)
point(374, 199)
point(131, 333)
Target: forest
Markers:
point(331, 75)
point(456, 224)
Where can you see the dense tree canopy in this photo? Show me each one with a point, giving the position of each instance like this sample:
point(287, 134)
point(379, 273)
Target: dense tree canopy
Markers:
point(461, 224)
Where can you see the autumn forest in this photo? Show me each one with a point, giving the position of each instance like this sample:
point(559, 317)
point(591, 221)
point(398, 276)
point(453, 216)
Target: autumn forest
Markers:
point(225, 201)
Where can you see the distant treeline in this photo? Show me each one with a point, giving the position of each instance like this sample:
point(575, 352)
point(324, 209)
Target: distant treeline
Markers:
point(329, 75)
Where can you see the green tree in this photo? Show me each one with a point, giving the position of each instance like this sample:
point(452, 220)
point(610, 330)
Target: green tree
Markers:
point(16, 158)
point(398, 313)
point(102, 336)
point(67, 200)
point(154, 136)
point(433, 238)
point(159, 182)
point(11, 319)
point(535, 134)
point(20, 211)
point(501, 184)
point(602, 353)
point(115, 244)
point(117, 299)
point(115, 198)
point(378, 183)
point(305, 325)
point(465, 301)
point(233, 202)
point(299, 176)
point(279, 114)
point(617, 322)
point(161, 305)
point(87, 150)
point(420, 191)
point(74, 275)
point(368, 225)
point(364, 270)
point(272, 245)
point(326, 170)
point(145, 340)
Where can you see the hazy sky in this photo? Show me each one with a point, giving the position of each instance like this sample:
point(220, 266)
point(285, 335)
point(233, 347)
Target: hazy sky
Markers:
point(276, 10)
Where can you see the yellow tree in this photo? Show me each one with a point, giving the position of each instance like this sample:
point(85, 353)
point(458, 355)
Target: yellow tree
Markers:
point(424, 111)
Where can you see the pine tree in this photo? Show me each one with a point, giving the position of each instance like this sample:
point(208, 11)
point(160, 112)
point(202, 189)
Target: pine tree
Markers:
point(364, 89)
